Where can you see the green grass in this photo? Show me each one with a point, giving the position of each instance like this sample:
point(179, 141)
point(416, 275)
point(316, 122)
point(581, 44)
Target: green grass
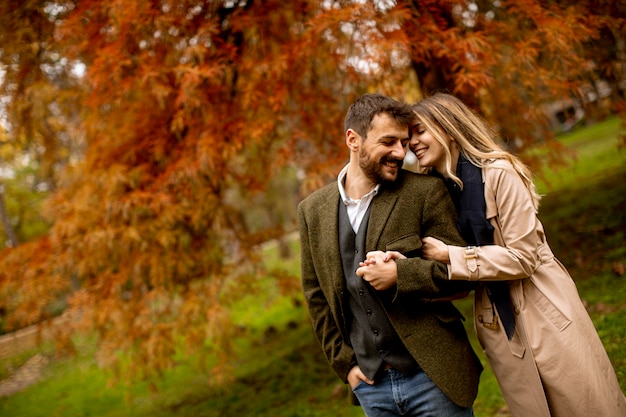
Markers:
point(596, 154)
point(584, 210)
point(281, 371)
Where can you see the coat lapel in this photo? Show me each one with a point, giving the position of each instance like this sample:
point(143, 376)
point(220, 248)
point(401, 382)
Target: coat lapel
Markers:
point(382, 206)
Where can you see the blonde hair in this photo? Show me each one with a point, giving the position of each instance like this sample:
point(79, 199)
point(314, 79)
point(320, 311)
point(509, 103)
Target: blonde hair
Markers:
point(443, 114)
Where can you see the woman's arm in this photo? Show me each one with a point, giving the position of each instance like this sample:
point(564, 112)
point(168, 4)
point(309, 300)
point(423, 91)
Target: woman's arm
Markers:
point(514, 256)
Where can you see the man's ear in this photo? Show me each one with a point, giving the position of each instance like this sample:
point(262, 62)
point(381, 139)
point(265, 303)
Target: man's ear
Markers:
point(353, 140)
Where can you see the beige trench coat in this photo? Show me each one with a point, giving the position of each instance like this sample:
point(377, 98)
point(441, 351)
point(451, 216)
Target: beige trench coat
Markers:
point(555, 364)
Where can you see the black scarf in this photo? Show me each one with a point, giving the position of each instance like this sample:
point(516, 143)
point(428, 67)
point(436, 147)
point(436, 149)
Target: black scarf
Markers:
point(478, 231)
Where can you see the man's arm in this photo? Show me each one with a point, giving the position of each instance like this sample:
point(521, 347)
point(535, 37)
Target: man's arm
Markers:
point(338, 352)
point(416, 277)
point(439, 219)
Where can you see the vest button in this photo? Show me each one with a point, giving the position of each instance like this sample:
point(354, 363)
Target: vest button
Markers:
point(369, 312)
point(361, 292)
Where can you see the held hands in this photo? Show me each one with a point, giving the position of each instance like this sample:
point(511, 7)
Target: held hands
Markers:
point(370, 269)
point(390, 254)
point(382, 274)
point(376, 269)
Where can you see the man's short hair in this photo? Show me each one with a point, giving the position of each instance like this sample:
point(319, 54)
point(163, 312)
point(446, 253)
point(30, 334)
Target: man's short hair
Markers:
point(362, 111)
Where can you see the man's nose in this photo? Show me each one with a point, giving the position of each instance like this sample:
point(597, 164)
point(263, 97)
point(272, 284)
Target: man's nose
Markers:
point(399, 150)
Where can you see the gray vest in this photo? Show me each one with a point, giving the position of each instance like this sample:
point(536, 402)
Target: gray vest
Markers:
point(373, 338)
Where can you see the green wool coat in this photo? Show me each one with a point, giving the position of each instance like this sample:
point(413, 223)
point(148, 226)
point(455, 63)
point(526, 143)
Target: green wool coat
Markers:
point(401, 214)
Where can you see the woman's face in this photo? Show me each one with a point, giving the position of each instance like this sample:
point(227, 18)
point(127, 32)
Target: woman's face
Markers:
point(427, 149)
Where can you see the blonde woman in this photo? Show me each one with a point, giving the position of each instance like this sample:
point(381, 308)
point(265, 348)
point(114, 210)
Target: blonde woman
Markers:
point(530, 321)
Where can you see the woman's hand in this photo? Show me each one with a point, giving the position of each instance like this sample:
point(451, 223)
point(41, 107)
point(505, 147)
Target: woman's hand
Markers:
point(435, 249)
point(370, 259)
point(392, 254)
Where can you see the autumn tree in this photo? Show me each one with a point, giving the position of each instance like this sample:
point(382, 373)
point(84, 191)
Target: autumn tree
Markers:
point(185, 113)
point(510, 59)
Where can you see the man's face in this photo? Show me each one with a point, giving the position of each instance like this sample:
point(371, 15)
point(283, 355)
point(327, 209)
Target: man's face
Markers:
point(382, 153)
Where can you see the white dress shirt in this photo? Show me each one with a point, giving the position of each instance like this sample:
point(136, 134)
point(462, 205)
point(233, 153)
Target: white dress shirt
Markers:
point(356, 208)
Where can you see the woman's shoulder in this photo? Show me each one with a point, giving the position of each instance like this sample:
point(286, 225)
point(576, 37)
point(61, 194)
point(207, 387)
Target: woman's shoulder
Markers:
point(497, 167)
point(499, 163)
point(498, 172)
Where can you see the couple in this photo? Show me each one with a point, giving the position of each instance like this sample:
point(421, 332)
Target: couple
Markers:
point(385, 321)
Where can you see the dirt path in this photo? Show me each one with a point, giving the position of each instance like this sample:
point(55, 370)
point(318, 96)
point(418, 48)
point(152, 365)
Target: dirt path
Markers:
point(24, 376)
point(19, 341)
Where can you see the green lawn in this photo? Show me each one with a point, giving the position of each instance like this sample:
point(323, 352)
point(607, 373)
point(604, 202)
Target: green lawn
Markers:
point(280, 371)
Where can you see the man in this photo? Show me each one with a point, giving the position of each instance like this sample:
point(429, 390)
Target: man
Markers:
point(384, 333)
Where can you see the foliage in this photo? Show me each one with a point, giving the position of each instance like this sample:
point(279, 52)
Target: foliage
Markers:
point(166, 128)
point(40, 90)
point(281, 371)
point(25, 205)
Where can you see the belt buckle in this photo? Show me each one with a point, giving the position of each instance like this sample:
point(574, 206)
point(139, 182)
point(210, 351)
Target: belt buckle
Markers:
point(470, 253)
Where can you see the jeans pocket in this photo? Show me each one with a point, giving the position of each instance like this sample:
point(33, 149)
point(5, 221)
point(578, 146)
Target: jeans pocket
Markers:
point(358, 385)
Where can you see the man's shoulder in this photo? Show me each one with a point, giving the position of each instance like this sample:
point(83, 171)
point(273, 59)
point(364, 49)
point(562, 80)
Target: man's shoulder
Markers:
point(409, 180)
point(321, 195)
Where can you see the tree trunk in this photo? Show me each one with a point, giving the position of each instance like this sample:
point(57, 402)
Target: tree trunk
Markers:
point(4, 217)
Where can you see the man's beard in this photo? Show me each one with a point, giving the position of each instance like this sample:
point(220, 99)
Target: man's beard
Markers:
point(374, 170)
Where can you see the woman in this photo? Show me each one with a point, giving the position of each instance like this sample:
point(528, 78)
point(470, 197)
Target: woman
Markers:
point(531, 323)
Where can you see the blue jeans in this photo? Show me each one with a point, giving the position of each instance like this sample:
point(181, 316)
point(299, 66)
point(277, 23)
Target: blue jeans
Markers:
point(394, 394)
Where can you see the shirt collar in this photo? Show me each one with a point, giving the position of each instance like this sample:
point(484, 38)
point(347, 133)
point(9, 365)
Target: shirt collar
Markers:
point(341, 178)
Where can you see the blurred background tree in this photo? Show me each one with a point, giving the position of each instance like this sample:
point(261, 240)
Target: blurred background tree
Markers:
point(170, 138)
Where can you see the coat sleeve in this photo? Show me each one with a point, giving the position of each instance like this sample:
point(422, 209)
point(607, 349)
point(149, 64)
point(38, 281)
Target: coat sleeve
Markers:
point(338, 352)
point(428, 279)
point(515, 254)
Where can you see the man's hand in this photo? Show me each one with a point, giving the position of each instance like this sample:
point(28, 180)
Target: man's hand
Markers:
point(356, 375)
point(380, 274)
